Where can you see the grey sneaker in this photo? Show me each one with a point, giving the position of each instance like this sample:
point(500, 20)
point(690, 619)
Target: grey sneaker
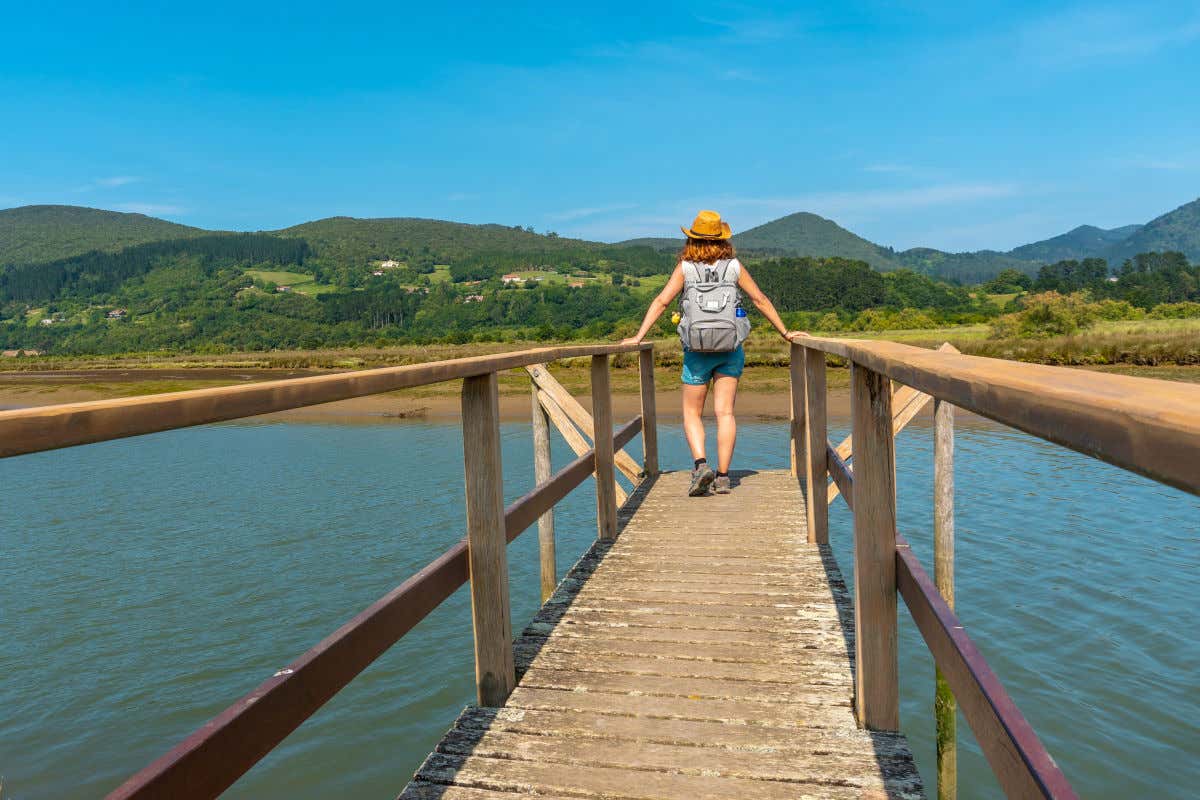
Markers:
point(702, 478)
point(721, 485)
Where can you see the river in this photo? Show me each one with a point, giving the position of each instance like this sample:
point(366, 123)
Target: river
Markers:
point(147, 583)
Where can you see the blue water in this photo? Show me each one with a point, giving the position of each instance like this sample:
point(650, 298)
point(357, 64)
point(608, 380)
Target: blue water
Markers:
point(147, 583)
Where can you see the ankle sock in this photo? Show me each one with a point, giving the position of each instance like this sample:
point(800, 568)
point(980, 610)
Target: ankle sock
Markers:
point(722, 474)
point(699, 461)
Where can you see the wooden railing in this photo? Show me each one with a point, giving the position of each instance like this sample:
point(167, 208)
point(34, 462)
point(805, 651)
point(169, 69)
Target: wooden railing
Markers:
point(213, 757)
point(1147, 426)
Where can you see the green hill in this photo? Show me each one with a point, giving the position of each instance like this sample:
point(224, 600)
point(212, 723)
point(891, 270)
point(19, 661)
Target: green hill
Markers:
point(35, 234)
point(805, 234)
point(1177, 230)
point(1082, 242)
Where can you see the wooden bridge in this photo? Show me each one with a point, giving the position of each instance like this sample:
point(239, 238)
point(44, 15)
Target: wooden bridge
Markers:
point(702, 647)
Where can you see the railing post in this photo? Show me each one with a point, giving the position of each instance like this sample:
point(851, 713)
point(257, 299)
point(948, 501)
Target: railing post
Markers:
point(943, 570)
point(649, 413)
point(876, 696)
point(798, 393)
point(606, 495)
point(542, 471)
point(816, 442)
point(487, 551)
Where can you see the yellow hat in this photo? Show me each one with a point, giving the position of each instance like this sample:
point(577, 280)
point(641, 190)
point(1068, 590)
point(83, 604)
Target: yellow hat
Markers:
point(708, 225)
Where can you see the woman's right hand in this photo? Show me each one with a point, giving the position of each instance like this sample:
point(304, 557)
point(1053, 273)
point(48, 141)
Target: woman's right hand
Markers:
point(632, 340)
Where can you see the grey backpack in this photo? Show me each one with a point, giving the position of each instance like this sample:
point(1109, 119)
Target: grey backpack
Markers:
point(711, 316)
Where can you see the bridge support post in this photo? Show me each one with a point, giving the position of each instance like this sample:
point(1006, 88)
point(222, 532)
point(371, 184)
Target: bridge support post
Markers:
point(606, 495)
point(542, 470)
point(816, 441)
point(796, 384)
point(876, 696)
point(943, 568)
point(487, 545)
point(649, 413)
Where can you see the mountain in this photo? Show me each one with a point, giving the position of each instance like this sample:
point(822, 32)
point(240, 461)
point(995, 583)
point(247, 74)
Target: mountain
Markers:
point(808, 234)
point(1082, 242)
point(967, 268)
point(35, 234)
point(1176, 230)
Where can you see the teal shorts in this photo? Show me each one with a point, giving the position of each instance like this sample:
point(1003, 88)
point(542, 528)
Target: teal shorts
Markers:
point(698, 368)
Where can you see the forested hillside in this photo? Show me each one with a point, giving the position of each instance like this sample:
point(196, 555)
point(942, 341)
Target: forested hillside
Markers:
point(33, 234)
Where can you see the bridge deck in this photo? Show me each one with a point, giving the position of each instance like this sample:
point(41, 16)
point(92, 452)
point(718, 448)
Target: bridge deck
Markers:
point(707, 653)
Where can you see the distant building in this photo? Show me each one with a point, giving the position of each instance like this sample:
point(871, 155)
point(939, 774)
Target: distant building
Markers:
point(47, 321)
point(116, 313)
point(473, 298)
point(389, 264)
point(511, 277)
point(283, 288)
point(575, 284)
point(378, 273)
point(16, 353)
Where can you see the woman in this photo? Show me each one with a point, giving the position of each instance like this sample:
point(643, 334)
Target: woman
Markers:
point(708, 256)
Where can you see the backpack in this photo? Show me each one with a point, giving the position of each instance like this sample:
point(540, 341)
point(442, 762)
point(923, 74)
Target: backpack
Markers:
point(711, 316)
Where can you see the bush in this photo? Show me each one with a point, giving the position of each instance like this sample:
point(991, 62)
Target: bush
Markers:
point(1119, 310)
point(829, 322)
point(1186, 310)
point(1048, 314)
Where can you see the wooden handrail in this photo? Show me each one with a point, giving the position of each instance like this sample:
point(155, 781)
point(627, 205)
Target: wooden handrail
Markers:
point(31, 430)
point(212, 758)
point(1148, 426)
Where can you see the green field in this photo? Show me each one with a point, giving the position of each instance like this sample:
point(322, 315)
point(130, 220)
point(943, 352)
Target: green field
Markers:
point(299, 281)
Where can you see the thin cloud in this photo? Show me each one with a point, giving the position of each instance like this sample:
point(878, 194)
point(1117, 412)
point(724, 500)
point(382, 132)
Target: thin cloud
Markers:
point(1167, 164)
point(827, 203)
point(1085, 35)
point(117, 180)
point(891, 169)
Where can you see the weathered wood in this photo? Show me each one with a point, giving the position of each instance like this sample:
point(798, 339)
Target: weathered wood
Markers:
point(944, 708)
point(30, 430)
point(486, 540)
point(649, 413)
point(575, 440)
point(606, 498)
point(1016, 755)
point(798, 428)
point(816, 437)
point(843, 477)
point(907, 402)
point(877, 685)
point(1144, 425)
point(541, 473)
point(707, 676)
point(580, 417)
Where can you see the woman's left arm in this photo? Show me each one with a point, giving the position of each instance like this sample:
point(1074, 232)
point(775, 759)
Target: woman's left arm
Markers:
point(764, 305)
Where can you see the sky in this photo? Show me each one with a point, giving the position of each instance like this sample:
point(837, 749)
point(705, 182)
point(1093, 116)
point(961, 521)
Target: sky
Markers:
point(958, 125)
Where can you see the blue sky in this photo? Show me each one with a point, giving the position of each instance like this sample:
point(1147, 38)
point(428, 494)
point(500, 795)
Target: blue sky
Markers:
point(953, 125)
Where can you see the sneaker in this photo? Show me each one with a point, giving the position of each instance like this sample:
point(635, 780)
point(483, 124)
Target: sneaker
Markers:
point(702, 478)
point(721, 485)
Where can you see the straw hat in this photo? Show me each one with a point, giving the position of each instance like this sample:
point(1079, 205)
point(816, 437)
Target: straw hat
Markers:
point(708, 225)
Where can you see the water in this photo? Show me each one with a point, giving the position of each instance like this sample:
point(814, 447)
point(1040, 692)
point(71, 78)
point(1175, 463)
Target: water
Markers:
point(147, 583)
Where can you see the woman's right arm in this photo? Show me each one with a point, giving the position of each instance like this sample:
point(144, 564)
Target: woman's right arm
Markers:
point(659, 304)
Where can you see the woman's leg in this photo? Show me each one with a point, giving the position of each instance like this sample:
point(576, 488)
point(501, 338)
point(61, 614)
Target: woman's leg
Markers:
point(693, 422)
point(724, 395)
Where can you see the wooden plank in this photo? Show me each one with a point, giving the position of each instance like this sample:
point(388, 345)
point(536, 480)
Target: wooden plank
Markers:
point(1148, 426)
point(815, 439)
point(580, 416)
point(30, 430)
point(541, 473)
point(944, 713)
point(1016, 755)
point(575, 440)
point(843, 478)
point(798, 426)
point(486, 540)
point(606, 498)
point(649, 413)
point(877, 677)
